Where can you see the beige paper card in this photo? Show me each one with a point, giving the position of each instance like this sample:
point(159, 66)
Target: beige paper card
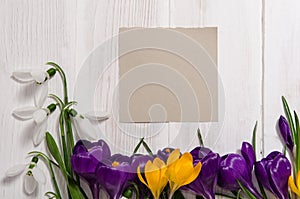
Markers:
point(168, 75)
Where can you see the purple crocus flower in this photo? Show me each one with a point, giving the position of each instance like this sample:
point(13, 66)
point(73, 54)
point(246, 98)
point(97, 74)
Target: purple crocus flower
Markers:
point(236, 167)
point(285, 133)
point(114, 175)
point(86, 159)
point(204, 185)
point(273, 173)
point(164, 154)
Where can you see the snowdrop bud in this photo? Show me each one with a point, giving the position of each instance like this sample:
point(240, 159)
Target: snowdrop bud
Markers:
point(73, 113)
point(33, 162)
point(51, 72)
point(51, 108)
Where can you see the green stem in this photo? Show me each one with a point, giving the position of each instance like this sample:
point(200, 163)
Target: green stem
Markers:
point(63, 77)
point(49, 162)
point(70, 137)
point(58, 100)
point(63, 139)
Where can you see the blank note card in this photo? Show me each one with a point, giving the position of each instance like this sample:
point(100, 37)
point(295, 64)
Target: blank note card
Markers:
point(168, 75)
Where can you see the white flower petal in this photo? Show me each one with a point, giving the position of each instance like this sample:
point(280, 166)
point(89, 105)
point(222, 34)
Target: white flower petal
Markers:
point(39, 116)
point(39, 76)
point(39, 175)
point(41, 95)
point(15, 170)
point(25, 113)
point(30, 184)
point(84, 128)
point(39, 133)
point(22, 76)
point(97, 115)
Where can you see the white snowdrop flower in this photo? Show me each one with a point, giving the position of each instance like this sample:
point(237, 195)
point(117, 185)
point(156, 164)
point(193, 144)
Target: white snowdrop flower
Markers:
point(37, 113)
point(30, 76)
point(82, 123)
point(33, 174)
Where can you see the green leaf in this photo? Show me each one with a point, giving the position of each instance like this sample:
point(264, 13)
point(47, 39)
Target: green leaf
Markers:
point(246, 191)
point(74, 190)
point(53, 149)
point(298, 139)
point(178, 195)
point(200, 138)
point(289, 117)
point(254, 137)
point(138, 146)
point(136, 189)
point(147, 148)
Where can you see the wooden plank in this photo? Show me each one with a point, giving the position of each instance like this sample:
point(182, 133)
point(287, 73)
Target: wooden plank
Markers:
point(32, 32)
point(282, 47)
point(239, 28)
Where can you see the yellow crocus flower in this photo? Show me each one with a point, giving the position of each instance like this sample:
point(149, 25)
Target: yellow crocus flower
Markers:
point(295, 187)
point(180, 170)
point(155, 176)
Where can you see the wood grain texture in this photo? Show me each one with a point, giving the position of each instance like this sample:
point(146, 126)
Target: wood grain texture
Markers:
point(282, 65)
point(67, 32)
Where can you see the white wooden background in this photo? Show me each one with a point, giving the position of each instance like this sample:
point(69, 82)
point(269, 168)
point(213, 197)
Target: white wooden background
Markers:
point(259, 60)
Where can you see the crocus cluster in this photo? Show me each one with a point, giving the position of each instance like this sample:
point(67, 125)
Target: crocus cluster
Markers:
point(167, 170)
point(161, 175)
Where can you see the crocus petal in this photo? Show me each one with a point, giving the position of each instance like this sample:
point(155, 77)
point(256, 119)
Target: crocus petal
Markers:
point(39, 76)
point(97, 115)
point(30, 184)
point(140, 175)
point(182, 171)
point(22, 76)
point(39, 175)
point(173, 156)
point(204, 185)
point(39, 133)
point(293, 186)
point(261, 173)
point(41, 95)
point(15, 170)
point(286, 133)
point(39, 116)
point(280, 170)
point(84, 128)
point(249, 155)
point(25, 113)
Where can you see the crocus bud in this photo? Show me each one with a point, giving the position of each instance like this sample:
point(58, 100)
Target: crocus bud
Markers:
point(285, 133)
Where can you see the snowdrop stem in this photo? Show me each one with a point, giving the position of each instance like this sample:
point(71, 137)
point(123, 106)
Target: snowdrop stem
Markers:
point(64, 79)
point(49, 163)
point(66, 152)
point(58, 100)
point(70, 136)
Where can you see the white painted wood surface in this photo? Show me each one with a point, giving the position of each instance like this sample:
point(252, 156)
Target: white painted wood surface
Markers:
point(258, 62)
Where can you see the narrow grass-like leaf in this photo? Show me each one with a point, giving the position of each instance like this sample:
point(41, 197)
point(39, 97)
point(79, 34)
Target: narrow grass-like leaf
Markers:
point(53, 149)
point(297, 141)
point(254, 137)
point(246, 191)
point(289, 117)
point(147, 148)
point(138, 146)
point(74, 190)
point(200, 137)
